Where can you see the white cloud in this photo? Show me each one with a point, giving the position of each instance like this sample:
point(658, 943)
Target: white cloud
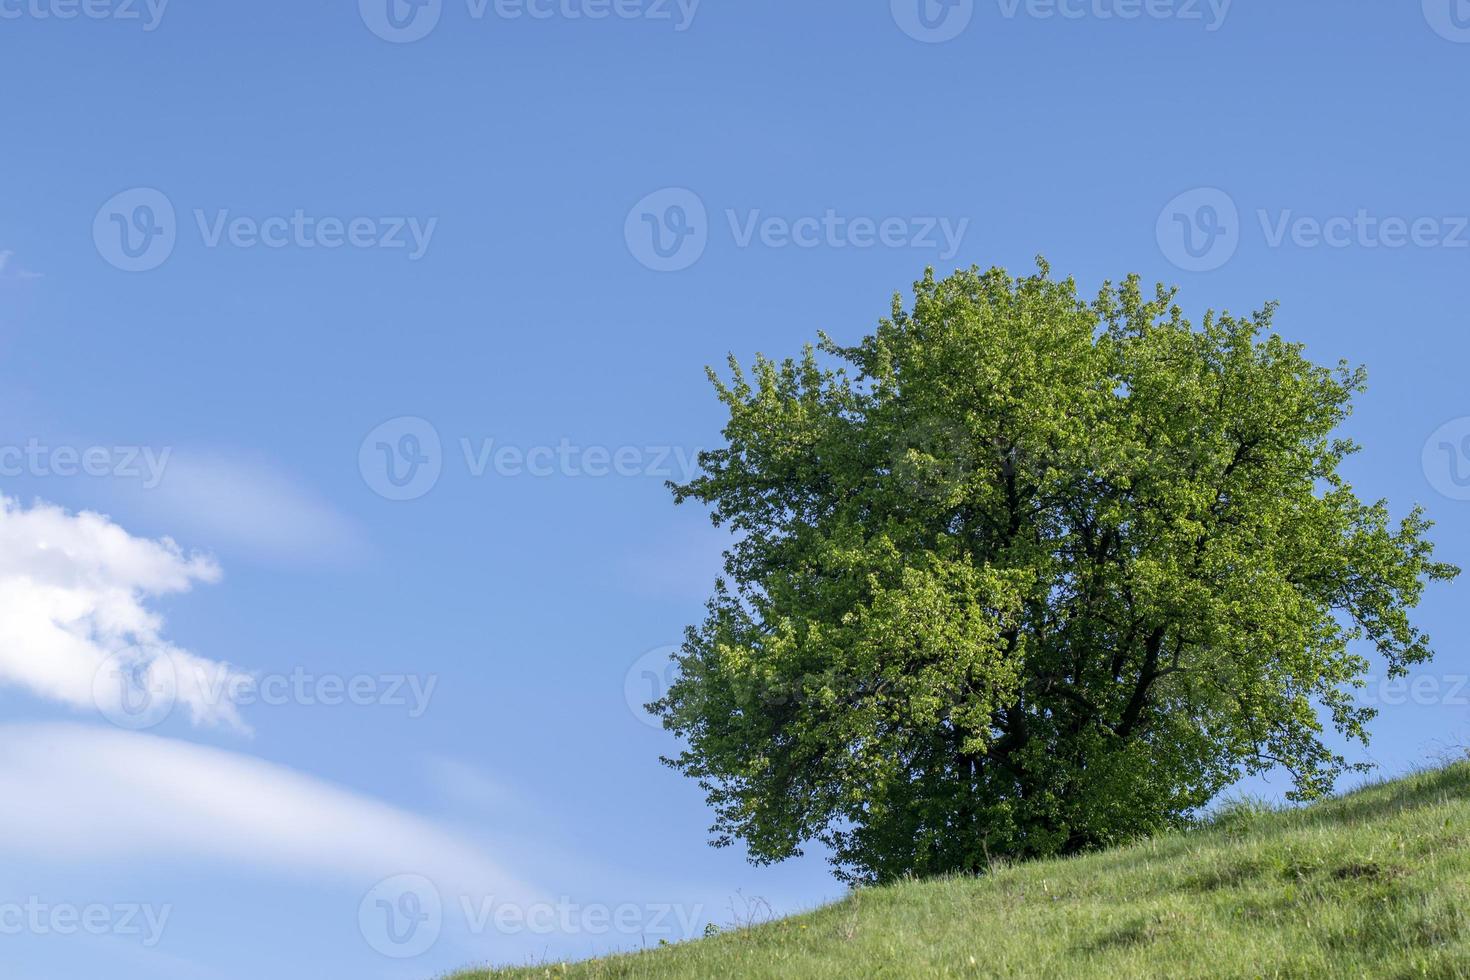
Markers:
point(79, 793)
point(74, 624)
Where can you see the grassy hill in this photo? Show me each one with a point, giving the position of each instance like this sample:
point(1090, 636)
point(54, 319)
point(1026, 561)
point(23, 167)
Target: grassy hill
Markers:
point(1376, 883)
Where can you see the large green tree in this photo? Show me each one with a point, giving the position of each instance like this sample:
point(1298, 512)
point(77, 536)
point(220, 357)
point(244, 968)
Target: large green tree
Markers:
point(1021, 574)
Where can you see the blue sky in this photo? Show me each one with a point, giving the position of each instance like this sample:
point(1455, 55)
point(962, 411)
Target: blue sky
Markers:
point(394, 319)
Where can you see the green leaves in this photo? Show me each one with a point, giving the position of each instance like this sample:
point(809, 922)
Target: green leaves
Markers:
point(1020, 574)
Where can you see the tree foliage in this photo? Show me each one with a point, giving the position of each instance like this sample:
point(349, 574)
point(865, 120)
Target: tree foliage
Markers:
point(1021, 574)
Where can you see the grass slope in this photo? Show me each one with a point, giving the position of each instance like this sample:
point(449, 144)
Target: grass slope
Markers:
point(1376, 883)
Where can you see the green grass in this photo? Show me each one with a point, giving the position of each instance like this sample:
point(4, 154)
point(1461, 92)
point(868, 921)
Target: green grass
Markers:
point(1376, 883)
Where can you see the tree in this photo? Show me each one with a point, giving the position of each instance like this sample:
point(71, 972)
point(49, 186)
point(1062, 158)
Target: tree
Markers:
point(1022, 575)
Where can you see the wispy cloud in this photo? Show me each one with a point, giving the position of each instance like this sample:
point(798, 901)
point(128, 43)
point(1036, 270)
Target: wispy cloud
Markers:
point(245, 505)
point(9, 270)
point(92, 793)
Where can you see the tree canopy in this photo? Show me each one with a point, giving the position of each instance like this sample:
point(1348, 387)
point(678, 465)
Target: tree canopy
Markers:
point(1022, 574)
